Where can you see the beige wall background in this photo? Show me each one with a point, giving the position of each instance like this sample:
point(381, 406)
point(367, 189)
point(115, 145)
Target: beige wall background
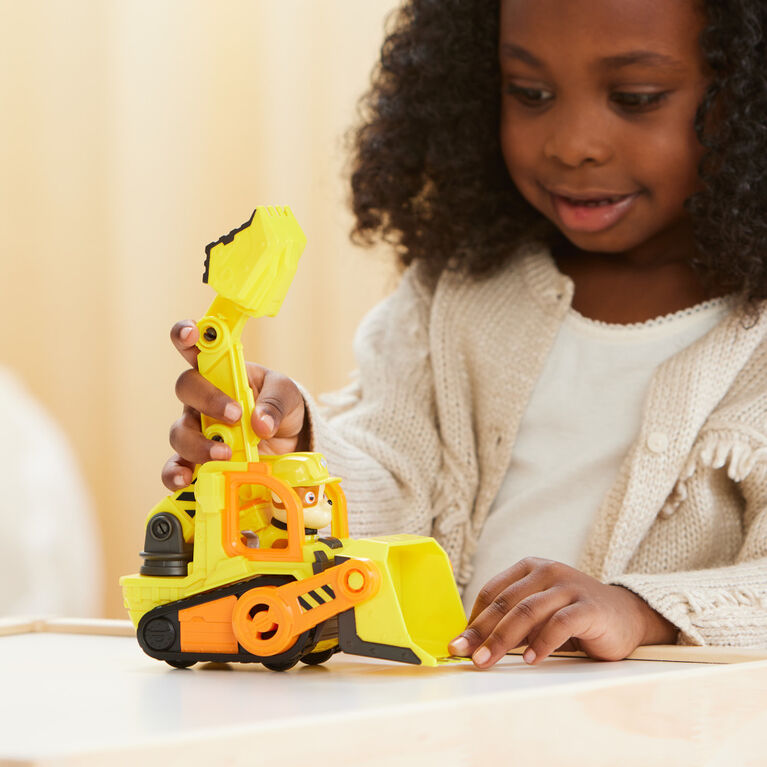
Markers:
point(132, 134)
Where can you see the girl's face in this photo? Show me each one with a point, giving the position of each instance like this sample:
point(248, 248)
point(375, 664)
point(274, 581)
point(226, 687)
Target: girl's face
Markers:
point(598, 103)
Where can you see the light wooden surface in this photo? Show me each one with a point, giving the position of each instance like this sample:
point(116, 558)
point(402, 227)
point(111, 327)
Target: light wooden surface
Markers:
point(681, 654)
point(91, 699)
point(96, 626)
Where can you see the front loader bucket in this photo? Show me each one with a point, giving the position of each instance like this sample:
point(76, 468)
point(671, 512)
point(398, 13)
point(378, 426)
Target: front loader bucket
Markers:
point(417, 609)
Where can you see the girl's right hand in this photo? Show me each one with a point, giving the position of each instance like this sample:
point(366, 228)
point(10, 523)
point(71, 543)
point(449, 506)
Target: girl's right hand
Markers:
point(278, 417)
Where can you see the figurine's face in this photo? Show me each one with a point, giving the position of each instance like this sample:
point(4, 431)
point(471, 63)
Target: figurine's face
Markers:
point(318, 510)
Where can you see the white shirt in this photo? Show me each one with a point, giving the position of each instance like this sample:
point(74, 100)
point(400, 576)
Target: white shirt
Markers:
point(583, 416)
point(50, 562)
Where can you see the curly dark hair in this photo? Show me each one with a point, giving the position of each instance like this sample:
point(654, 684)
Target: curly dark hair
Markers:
point(428, 175)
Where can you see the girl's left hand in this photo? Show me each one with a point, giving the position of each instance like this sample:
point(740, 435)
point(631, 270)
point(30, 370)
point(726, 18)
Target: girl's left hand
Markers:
point(545, 605)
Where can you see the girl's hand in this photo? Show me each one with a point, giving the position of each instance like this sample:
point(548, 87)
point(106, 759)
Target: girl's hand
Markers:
point(278, 417)
point(546, 604)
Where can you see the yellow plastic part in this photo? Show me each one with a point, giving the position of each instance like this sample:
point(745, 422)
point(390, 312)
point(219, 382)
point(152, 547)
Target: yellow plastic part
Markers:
point(393, 597)
point(417, 605)
point(257, 288)
point(300, 469)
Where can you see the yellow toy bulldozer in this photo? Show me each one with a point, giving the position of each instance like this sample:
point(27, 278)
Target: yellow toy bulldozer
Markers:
point(235, 565)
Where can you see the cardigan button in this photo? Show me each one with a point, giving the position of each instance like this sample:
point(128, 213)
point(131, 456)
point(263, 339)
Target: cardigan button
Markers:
point(657, 442)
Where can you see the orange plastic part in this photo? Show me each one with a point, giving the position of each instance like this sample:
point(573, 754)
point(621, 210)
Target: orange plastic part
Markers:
point(340, 523)
point(352, 582)
point(208, 627)
point(260, 474)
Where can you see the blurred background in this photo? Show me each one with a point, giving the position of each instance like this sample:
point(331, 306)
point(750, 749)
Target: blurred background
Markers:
point(132, 134)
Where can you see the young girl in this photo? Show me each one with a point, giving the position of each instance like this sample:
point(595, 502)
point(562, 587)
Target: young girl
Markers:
point(574, 363)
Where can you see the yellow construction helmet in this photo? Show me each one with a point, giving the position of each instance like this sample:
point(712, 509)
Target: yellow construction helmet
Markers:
point(299, 469)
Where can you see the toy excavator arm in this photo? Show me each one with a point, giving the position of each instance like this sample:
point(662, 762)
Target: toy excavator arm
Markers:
point(250, 269)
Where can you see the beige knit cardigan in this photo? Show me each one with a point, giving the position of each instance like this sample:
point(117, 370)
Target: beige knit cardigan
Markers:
point(423, 438)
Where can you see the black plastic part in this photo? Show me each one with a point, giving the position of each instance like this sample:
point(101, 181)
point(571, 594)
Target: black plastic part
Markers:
point(304, 603)
point(206, 265)
point(187, 500)
point(153, 633)
point(180, 663)
point(352, 644)
point(334, 543)
point(280, 525)
point(321, 562)
point(284, 665)
point(165, 551)
point(160, 633)
point(315, 658)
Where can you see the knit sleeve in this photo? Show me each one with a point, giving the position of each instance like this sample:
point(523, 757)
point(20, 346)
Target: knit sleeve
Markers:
point(380, 433)
point(723, 605)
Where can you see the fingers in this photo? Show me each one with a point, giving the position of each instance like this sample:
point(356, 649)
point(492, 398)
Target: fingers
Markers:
point(187, 440)
point(500, 582)
point(513, 608)
point(278, 415)
point(184, 335)
point(201, 395)
point(177, 472)
point(494, 601)
point(279, 409)
point(517, 623)
point(573, 620)
point(549, 605)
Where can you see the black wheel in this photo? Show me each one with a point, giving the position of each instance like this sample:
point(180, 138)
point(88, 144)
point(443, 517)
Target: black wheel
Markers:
point(180, 663)
point(315, 658)
point(280, 665)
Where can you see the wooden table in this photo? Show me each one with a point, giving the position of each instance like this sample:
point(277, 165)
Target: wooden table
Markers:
point(83, 693)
